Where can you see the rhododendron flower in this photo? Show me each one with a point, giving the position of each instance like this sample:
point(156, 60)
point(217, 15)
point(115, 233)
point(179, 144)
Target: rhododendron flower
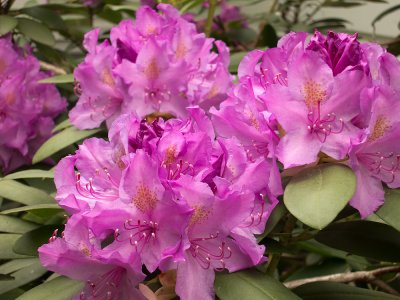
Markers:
point(376, 157)
point(314, 111)
point(159, 63)
point(27, 108)
point(169, 195)
point(78, 254)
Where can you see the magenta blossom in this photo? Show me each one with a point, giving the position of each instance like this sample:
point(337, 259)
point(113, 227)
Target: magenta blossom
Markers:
point(375, 157)
point(157, 64)
point(166, 195)
point(27, 108)
point(78, 254)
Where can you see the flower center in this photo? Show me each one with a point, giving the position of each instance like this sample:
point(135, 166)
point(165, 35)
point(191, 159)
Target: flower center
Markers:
point(382, 124)
point(313, 94)
point(107, 78)
point(151, 70)
point(145, 199)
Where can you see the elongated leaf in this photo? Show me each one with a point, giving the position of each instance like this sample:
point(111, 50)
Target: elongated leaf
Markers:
point(316, 196)
point(30, 241)
point(46, 16)
point(385, 13)
point(250, 285)
point(64, 124)
point(13, 294)
point(63, 287)
point(23, 276)
point(67, 78)
point(17, 264)
point(357, 262)
point(60, 141)
point(370, 239)
point(5, 277)
point(339, 291)
point(7, 241)
point(32, 207)
point(36, 31)
point(22, 193)
point(390, 211)
point(7, 24)
point(15, 225)
point(32, 173)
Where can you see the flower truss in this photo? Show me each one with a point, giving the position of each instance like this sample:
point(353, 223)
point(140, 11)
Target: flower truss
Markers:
point(27, 108)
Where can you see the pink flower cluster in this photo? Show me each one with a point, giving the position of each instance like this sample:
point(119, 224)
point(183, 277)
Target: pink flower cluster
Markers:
point(158, 63)
point(27, 108)
point(166, 195)
point(333, 96)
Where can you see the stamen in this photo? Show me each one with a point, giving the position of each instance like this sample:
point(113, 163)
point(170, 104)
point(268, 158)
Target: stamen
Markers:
point(323, 127)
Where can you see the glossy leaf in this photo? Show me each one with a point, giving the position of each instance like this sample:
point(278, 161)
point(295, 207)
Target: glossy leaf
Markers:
point(250, 285)
point(7, 24)
point(63, 287)
point(23, 276)
point(67, 78)
point(339, 291)
point(47, 16)
point(36, 31)
point(30, 241)
point(32, 173)
point(15, 225)
point(364, 238)
point(390, 210)
point(316, 195)
point(22, 193)
point(60, 141)
point(7, 241)
point(32, 208)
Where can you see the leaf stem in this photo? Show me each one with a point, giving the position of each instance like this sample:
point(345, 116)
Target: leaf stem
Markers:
point(210, 16)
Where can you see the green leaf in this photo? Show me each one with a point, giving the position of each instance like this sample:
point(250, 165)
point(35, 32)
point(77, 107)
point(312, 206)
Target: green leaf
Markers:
point(12, 295)
point(7, 241)
point(63, 287)
point(327, 267)
point(15, 225)
point(61, 140)
point(23, 276)
point(32, 173)
point(313, 246)
point(67, 78)
point(339, 291)
point(5, 277)
point(252, 285)
point(385, 13)
point(36, 31)
point(236, 58)
point(316, 195)
point(16, 191)
point(30, 241)
point(267, 37)
point(390, 210)
point(31, 207)
point(17, 264)
point(64, 124)
point(7, 24)
point(370, 239)
point(48, 17)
